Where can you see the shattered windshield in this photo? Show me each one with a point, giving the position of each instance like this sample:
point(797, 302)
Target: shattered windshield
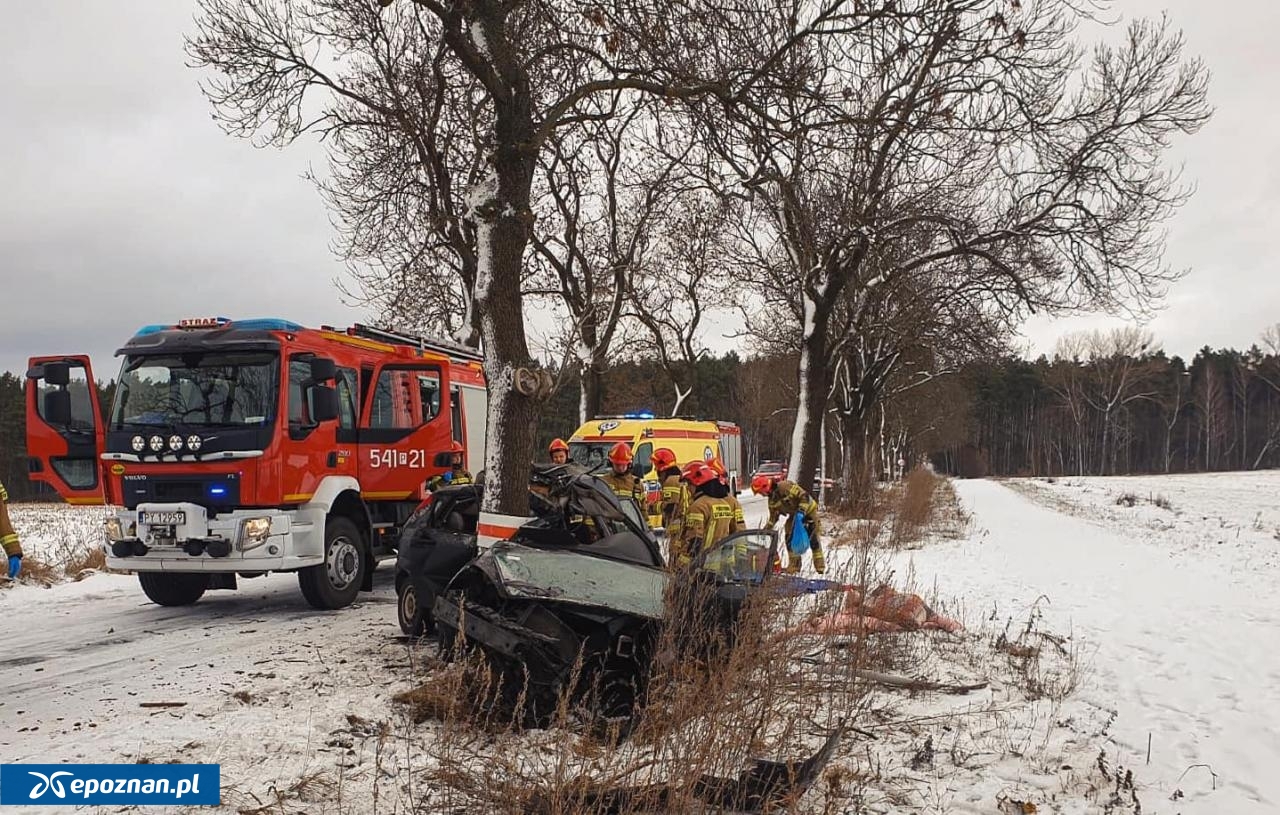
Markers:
point(196, 389)
point(590, 454)
point(573, 577)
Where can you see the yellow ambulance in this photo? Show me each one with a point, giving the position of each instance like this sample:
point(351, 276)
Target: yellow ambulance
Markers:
point(689, 439)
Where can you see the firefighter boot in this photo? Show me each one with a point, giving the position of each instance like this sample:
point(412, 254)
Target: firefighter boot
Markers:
point(819, 561)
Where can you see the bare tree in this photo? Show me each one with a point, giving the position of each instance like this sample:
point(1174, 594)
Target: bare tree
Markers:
point(1119, 375)
point(971, 124)
point(436, 114)
point(1068, 383)
point(602, 192)
point(683, 278)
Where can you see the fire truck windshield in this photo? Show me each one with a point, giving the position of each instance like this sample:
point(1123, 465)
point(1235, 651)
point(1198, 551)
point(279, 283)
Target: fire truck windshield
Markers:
point(204, 389)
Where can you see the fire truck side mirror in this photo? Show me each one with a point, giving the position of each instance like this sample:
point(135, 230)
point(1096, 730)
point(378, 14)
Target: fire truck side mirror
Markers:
point(324, 403)
point(57, 408)
point(323, 369)
point(57, 373)
point(444, 459)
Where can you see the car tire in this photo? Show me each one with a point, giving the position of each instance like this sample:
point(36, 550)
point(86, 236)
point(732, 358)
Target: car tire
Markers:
point(411, 610)
point(336, 582)
point(173, 588)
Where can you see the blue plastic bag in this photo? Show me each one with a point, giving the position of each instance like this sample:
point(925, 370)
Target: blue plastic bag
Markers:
point(799, 543)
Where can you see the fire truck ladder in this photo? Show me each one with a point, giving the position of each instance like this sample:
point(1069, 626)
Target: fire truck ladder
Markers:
point(449, 349)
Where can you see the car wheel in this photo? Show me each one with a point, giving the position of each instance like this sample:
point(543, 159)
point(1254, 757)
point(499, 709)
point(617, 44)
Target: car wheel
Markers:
point(335, 583)
point(173, 588)
point(412, 611)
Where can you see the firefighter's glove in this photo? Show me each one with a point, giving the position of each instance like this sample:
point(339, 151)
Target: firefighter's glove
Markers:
point(15, 566)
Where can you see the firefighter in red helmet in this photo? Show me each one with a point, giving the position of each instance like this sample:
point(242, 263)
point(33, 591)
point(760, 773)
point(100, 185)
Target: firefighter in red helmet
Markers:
point(456, 474)
point(790, 499)
point(559, 452)
point(669, 480)
point(712, 515)
point(620, 479)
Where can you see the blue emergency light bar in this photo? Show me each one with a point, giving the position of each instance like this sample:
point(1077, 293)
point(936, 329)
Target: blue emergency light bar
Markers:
point(260, 324)
point(638, 416)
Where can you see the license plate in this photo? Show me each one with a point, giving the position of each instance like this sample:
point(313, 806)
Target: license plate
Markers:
point(174, 518)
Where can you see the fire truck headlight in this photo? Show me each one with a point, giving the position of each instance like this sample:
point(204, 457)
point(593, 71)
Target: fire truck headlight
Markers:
point(254, 531)
point(113, 529)
point(193, 443)
point(157, 444)
point(139, 444)
point(175, 443)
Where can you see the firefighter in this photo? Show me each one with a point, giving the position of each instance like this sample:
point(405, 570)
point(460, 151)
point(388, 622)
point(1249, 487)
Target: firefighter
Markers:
point(620, 479)
point(456, 474)
point(718, 466)
point(664, 464)
point(559, 452)
point(712, 515)
point(788, 498)
point(9, 538)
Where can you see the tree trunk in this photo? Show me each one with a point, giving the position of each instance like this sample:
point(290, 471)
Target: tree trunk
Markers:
point(504, 221)
point(590, 391)
point(812, 387)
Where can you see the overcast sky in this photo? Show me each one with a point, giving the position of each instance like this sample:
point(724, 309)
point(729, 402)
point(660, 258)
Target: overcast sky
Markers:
point(122, 203)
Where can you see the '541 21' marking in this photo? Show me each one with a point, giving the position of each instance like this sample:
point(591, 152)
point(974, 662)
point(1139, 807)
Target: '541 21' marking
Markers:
point(385, 458)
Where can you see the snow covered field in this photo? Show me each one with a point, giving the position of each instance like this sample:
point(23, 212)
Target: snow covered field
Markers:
point(1176, 610)
point(1171, 616)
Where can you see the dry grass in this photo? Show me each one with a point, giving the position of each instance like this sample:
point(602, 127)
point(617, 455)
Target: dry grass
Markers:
point(711, 708)
point(924, 504)
point(59, 541)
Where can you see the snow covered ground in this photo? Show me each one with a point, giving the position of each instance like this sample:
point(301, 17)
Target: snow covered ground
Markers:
point(1172, 614)
point(1176, 610)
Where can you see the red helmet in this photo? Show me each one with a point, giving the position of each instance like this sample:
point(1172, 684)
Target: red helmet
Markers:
point(702, 475)
point(662, 459)
point(558, 444)
point(691, 468)
point(762, 485)
point(456, 448)
point(620, 453)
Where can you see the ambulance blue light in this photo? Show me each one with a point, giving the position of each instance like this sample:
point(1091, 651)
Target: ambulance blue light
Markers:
point(638, 416)
point(266, 324)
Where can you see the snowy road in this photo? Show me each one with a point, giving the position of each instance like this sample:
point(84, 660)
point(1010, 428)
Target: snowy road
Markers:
point(1183, 648)
point(78, 660)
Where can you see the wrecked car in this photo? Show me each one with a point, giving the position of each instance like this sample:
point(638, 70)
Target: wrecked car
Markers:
point(572, 602)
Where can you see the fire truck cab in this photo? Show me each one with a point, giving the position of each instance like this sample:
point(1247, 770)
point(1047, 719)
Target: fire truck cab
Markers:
point(238, 448)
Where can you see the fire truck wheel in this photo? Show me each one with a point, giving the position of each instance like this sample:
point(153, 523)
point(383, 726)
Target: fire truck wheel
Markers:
point(335, 583)
point(173, 588)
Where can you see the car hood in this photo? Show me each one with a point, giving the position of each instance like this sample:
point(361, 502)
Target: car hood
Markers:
point(572, 576)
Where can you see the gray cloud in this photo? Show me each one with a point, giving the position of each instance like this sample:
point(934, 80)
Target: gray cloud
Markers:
point(124, 204)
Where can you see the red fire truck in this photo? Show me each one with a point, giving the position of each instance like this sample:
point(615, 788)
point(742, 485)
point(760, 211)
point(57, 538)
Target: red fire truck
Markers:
point(238, 448)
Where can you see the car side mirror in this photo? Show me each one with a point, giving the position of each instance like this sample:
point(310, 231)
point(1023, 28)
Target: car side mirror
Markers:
point(323, 369)
point(57, 373)
point(324, 403)
point(57, 408)
point(638, 469)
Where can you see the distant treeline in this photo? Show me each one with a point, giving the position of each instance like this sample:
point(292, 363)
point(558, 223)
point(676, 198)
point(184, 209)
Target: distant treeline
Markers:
point(1118, 414)
point(1096, 414)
